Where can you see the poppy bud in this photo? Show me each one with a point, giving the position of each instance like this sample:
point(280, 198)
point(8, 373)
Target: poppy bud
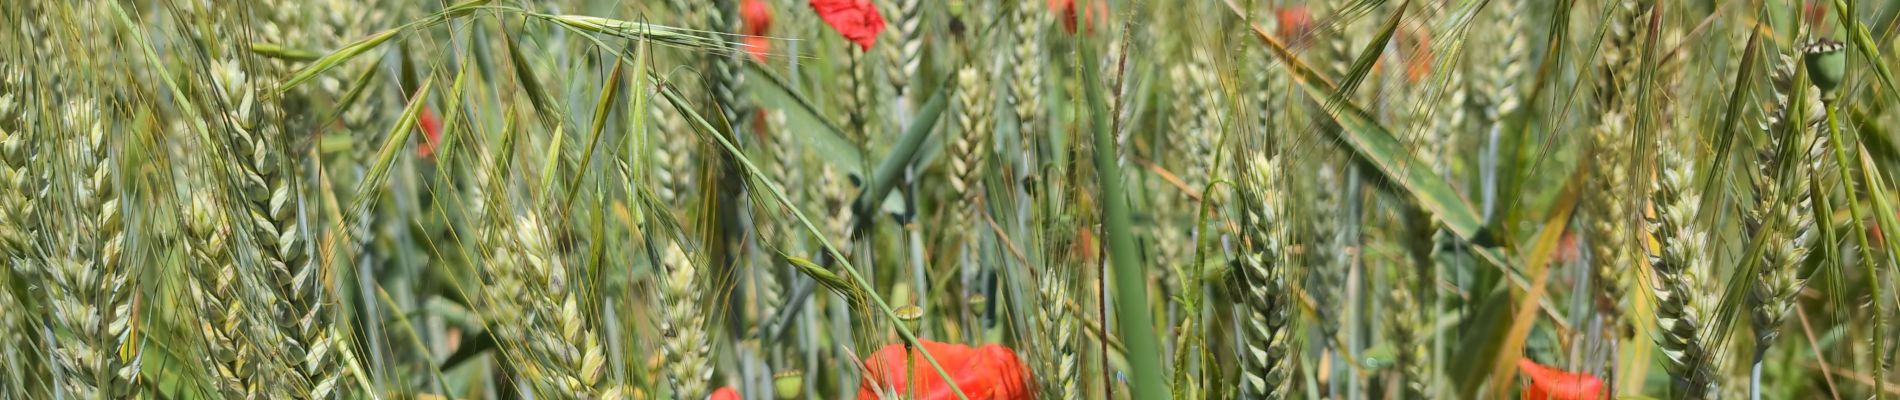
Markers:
point(788, 384)
point(1827, 64)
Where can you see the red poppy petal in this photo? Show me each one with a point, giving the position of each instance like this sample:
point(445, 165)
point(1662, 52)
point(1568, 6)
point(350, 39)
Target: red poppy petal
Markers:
point(431, 132)
point(991, 372)
point(857, 20)
point(724, 393)
point(758, 47)
point(1554, 384)
point(757, 17)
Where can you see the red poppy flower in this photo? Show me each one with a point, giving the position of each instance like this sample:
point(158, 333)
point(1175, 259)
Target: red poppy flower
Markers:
point(724, 393)
point(991, 372)
point(1554, 384)
point(758, 20)
point(431, 132)
point(1295, 22)
point(1096, 13)
point(857, 20)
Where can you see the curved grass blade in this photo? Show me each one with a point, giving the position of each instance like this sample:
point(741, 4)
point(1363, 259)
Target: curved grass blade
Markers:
point(360, 46)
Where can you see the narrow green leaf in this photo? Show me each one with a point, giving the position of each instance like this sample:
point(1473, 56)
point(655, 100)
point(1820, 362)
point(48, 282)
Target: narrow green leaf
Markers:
point(1379, 147)
point(892, 166)
point(369, 189)
point(817, 132)
point(1131, 294)
point(337, 58)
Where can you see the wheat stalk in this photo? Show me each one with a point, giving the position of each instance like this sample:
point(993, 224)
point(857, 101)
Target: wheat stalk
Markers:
point(1269, 351)
point(687, 343)
point(1679, 265)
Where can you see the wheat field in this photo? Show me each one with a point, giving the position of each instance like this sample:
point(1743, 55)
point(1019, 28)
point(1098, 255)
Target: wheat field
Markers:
point(949, 199)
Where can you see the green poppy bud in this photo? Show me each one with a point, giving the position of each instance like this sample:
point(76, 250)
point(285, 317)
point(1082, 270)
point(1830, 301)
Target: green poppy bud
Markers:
point(788, 384)
point(1827, 64)
point(911, 316)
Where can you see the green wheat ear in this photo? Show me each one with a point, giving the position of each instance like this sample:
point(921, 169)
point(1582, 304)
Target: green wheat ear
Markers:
point(1827, 64)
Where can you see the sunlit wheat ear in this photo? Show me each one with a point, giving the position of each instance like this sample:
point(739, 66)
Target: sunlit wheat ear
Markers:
point(686, 341)
point(536, 313)
point(88, 293)
point(1269, 351)
point(14, 175)
point(970, 149)
point(1680, 263)
point(214, 287)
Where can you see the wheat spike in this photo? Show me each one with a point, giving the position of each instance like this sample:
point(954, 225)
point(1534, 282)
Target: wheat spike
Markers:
point(1621, 52)
point(1679, 265)
point(857, 78)
point(1026, 82)
point(835, 194)
point(87, 289)
point(215, 289)
point(1788, 222)
point(1609, 216)
point(687, 342)
point(909, 47)
point(15, 239)
point(536, 313)
point(1053, 321)
point(728, 80)
point(1327, 244)
point(1499, 76)
point(1267, 315)
point(970, 148)
point(673, 157)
